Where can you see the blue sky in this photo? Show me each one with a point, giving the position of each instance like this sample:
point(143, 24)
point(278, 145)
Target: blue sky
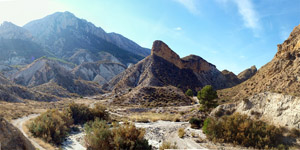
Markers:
point(232, 34)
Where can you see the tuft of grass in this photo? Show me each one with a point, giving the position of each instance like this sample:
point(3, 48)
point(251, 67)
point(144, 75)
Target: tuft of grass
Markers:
point(168, 145)
point(181, 132)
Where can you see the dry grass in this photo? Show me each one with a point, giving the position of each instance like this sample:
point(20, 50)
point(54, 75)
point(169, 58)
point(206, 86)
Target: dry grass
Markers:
point(153, 117)
point(181, 132)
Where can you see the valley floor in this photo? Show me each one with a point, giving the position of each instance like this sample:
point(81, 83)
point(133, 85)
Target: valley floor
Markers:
point(161, 124)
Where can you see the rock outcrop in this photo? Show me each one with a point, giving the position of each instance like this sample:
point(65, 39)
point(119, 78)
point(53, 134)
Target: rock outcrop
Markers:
point(11, 138)
point(165, 68)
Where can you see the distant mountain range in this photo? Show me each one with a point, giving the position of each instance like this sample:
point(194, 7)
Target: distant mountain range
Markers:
point(63, 35)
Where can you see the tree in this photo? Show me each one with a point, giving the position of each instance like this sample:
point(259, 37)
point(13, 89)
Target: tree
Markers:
point(207, 98)
point(189, 92)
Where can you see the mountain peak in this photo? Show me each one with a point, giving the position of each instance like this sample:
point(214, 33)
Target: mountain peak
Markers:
point(162, 50)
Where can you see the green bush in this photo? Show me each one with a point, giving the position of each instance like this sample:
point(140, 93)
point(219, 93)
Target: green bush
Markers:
point(240, 129)
point(207, 98)
point(195, 123)
point(189, 92)
point(82, 113)
point(52, 126)
point(120, 137)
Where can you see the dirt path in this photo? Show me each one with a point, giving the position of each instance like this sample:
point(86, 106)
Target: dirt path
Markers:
point(19, 124)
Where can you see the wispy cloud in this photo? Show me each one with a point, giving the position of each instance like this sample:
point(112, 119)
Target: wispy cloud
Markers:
point(191, 5)
point(247, 11)
point(178, 28)
point(284, 33)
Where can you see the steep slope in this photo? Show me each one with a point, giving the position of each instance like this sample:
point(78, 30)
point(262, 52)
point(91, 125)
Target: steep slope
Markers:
point(281, 75)
point(12, 138)
point(45, 70)
point(230, 76)
point(17, 47)
point(64, 34)
point(100, 72)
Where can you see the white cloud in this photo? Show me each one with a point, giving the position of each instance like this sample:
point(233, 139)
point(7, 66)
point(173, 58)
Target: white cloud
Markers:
point(284, 33)
point(247, 11)
point(178, 28)
point(191, 5)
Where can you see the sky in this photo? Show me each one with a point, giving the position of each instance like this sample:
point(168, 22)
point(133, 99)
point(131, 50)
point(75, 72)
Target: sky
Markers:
point(231, 34)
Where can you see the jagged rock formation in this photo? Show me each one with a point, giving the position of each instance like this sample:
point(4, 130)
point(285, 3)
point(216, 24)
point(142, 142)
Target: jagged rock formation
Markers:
point(11, 138)
point(45, 70)
point(64, 34)
point(281, 75)
point(100, 72)
point(247, 74)
point(165, 68)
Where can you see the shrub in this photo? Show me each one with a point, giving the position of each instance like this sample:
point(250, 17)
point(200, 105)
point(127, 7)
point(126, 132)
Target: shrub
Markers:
point(195, 123)
point(240, 129)
point(189, 92)
point(52, 126)
point(82, 113)
point(167, 145)
point(207, 98)
point(181, 132)
point(126, 136)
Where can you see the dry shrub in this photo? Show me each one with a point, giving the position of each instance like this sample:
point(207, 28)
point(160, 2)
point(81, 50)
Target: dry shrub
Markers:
point(168, 145)
point(52, 126)
point(240, 129)
point(126, 136)
point(153, 117)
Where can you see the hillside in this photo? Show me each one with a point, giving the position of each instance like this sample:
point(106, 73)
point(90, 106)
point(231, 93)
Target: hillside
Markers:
point(45, 70)
point(280, 75)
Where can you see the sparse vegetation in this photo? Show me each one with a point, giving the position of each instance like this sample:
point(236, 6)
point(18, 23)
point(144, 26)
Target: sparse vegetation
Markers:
point(189, 92)
point(181, 132)
point(126, 136)
point(167, 145)
point(52, 126)
point(207, 98)
point(240, 129)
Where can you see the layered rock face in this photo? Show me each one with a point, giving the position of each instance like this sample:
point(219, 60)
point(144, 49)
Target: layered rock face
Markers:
point(281, 75)
point(11, 138)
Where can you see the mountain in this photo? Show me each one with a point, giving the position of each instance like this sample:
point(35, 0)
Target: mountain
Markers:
point(50, 75)
point(280, 75)
point(100, 72)
point(12, 138)
point(64, 34)
point(17, 46)
point(164, 70)
point(272, 94)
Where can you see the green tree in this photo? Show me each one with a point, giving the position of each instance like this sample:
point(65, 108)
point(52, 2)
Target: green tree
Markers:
point(207, 98)
point(189, 92)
